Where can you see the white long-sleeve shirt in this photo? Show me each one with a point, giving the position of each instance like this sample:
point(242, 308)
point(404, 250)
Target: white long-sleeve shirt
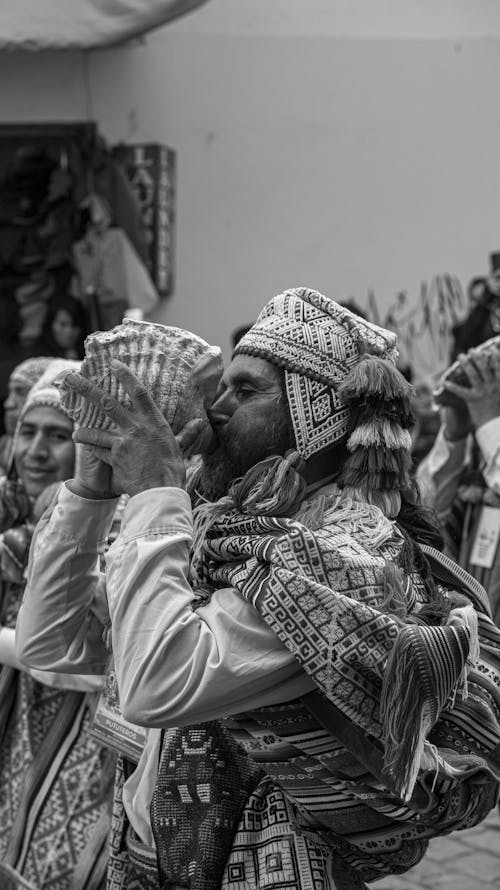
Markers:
point(174, 665)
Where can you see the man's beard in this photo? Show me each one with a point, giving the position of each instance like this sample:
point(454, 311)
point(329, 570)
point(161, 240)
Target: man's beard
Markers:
point(232, 458)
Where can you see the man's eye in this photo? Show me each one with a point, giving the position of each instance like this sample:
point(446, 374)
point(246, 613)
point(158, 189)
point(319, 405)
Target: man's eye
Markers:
point(60, 437)
point(244, 392)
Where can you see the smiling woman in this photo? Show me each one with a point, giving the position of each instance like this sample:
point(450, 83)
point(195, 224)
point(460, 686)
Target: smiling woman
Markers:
point(21, 380)
point(44, 450)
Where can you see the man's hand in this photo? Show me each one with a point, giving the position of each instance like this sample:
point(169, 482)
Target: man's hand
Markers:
point(456, 421)
point(141, 449)
point(93, 477)
point(482, 397)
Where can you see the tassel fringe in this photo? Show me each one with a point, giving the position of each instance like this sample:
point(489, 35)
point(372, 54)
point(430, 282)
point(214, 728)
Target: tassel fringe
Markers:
point(408, 711)
point(385, 480)
point(374, 376)
point(389, 502)
point(274, 486)
point(379, 443)
point(395, 587)
point(385, 433)
point(466, 617)
point(378, 410)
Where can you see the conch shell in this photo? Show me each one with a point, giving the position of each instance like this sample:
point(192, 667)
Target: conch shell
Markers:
point(179, 370)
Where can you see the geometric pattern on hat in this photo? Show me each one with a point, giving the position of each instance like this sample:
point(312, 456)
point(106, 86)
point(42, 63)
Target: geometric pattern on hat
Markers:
point(317, 342)
point(318, 418)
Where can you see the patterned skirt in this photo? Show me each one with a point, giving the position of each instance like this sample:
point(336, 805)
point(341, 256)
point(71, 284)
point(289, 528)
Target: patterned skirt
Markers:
point(55, 789)
point(132, 865)
point(274, 848)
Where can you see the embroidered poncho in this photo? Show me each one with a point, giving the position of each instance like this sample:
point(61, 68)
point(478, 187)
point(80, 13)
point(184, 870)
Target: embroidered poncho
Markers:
point(394, 659)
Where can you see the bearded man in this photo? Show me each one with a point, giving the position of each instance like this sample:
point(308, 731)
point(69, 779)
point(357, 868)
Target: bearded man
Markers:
point(280, 620)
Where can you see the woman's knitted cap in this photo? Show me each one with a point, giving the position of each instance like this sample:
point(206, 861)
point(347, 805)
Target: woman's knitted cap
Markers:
point(179, 370)
point(341, 382)
point(30, 370)
point(46, 390)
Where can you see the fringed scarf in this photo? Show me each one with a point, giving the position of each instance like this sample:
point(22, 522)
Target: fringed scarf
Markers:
point(381, 643)
point(341, 575)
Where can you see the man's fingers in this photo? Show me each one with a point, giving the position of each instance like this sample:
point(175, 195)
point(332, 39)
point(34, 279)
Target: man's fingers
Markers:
point(103, 454)
point(142, 401)
point(102, 400)
point(94, 437)
point(463, 392)
point(473, 370)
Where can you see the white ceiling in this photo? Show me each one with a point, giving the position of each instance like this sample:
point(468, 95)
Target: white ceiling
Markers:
point(71, 24)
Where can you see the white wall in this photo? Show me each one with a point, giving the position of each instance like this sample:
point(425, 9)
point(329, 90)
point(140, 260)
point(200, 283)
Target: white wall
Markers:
point(317, 158)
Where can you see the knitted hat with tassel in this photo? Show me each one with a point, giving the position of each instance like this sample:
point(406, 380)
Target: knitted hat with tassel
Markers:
point(342, 384)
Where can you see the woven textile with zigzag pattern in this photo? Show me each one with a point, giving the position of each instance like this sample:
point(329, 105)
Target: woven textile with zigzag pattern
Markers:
point(55, 780)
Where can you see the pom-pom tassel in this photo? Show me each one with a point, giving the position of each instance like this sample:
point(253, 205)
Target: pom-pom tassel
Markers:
point(374, 376)
point(383, 433)
point(375, 411)
point(377, 469)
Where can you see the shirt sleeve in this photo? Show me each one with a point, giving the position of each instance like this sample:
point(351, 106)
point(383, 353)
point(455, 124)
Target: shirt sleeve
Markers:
point(488, 439)
point(175, 665)
point(439, 473)
point(64, 611)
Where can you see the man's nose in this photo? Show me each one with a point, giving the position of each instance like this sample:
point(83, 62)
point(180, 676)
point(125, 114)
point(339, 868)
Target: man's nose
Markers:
point(223, 408)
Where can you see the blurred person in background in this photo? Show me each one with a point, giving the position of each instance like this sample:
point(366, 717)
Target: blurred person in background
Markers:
point(64, 329)
point(427, 421)
point(460, 476)
point(483, 319)
point(55, 780)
